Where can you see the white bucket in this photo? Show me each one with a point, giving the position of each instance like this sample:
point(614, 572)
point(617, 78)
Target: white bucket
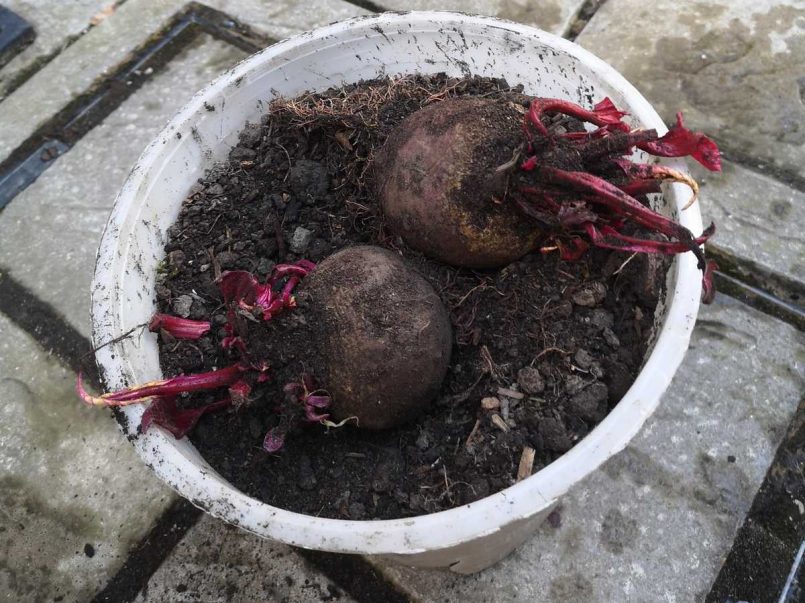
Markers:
point(465, 539)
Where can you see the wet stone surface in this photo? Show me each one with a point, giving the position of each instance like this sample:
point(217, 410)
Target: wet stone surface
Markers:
point(757, 218)
point(554, 16)
point(70, 507)
point(15, 34)
point(50, 247)
point(655, 523)
point(734, 68)
point(216, 562)
point(55, 25)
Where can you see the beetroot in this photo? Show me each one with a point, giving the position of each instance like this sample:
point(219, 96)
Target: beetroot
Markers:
point(386, 346)
point(450, 175)
point(436, 187)
point(388, 336)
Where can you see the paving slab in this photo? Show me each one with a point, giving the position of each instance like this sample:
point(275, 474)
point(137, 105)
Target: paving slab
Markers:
point(49, 233)
point(554, 16)
point(56, 24)
point(218, 563)
point(111, 42)
point(280, 19)
point(73, 494)
point(757, 218)
point(656, 521)
point(734, 68)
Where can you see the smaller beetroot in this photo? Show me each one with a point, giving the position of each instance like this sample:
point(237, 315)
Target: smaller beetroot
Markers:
point(387, 336)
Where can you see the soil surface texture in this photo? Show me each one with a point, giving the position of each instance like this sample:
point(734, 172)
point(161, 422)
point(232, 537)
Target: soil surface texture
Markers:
point(542, 348)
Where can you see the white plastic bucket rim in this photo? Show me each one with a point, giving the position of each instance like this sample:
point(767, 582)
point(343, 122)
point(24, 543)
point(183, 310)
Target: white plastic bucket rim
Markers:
point(152, 194)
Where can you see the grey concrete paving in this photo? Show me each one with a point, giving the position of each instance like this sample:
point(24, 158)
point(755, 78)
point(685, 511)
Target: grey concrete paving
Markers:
point(107, 45)
point(734, 68)
point(57, 24)
point(49, 233)
point(74, 497)
point(554, 16)
point(655, 523)
point(217, 563)
point(757, 218)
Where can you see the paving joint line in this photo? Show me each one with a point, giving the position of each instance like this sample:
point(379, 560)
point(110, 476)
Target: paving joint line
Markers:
point(149, 554)
point(762, 167)
point(47, 327)
point(368, 5)
point(751, 572)
point(54, 138)
point(759, 299)
point(28, 72)
point(586, 12)
point(355, 575)
point(16, 34)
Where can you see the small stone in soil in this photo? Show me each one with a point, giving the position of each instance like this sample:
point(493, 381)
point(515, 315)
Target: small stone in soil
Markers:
point(356, 510)
point(181, 305)
point(611, 338)
point(554, 435)
point(510, 393)
point(590, 403)
point(530, 380)
point(619, 379)
point(574, 384)
point(264, 266)
point(226, 259)
point(242, 154)
point(309, 179)
point(300, 239)
point(602, 318)
point(490, 403)
point(590, 295)
point(583, 359)
point(251, 135)
point(176, 258)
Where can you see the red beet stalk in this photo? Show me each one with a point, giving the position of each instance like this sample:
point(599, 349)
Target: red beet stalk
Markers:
point(178, 421)
point(165, 387)
point(180, 328)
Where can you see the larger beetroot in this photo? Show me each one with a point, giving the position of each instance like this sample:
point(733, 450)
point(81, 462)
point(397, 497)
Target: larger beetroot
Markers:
point(451, 174)
point(436, 187)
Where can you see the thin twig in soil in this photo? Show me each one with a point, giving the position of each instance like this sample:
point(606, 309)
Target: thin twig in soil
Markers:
point(470, 438)
point(214, 222)
point(280, 238)
point(492, 368)
point(447, 485)
point(551, 349)
point(288, 157)
point(125, 335)
point(482, 285)
point(622, 266)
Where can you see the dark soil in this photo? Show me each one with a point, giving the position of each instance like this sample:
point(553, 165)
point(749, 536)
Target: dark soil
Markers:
point(549, 346)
